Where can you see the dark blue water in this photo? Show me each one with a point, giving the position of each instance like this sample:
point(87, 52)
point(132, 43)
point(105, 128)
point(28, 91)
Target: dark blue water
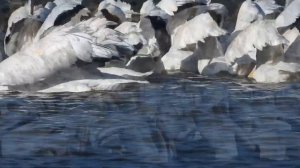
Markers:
point(177, 121)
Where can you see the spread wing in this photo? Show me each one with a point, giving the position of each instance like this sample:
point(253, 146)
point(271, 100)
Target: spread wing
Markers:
point(57, 13)
point(171, 6)
point(186, 14)
point(197, 29)
point(61, 49)
point(248, 13)
point(258, 35)
point(268, 6)
point(289, 15)
point(18, 15)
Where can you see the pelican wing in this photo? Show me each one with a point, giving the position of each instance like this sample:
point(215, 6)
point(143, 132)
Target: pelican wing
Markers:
point(174, 59)
point(61, 49)
point(125, 7)
point(197, 29)
point(62, 2)
point(258, 35)
point(146, 28)
point(293, 49)
point(248, 13)
point(268, 6)
point(183, 16)
point(289, 15)
point(18, 15)
point(112, 12)
point(126, 73)
point(186, 14)
point(147, 7)
point(127, 27)
point(57, 11)
point(171, 6)
point(103, 42)
point(87, 85)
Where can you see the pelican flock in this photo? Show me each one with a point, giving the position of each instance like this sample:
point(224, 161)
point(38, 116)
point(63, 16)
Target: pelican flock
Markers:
point(80, 45)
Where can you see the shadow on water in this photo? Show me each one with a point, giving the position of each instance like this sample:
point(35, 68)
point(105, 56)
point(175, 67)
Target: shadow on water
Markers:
point(188, 121)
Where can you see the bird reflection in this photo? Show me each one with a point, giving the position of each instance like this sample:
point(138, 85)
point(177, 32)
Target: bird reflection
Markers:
point(154, 124)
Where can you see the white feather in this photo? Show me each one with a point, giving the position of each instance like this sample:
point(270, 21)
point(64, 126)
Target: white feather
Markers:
point(184, 15)
point(126, 73)
point(87, 85)
point(173, 60)
point(260, 34)
point(292, 50)
point(171, 6)
point(277, 73)
point(268, 6)
point(16, 16)
point(112, 9)
point(147, 7)
point(213, 66)
point(125, 7)
point(248, 13)
point(289, 15)
point(59, 50)
point(196, 29)
point(59, 9)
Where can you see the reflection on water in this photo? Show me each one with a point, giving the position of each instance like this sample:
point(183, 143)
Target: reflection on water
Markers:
point(178, 122)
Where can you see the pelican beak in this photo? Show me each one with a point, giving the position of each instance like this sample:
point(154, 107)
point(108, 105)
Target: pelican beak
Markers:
point(252, 73)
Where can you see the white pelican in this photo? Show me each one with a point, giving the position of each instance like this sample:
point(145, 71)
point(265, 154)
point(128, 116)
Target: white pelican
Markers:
point(125, 7)
point(274, 65)
point(147, 58)
point(172, 6)
point(282, 63)
point(251, 11)
point(65, 12)
point(52, 60)
point(159, 16)
point(218, 11)
point(194, 32)
point(115, 10)
point(276, 72)
point(257, 36)
point(23, 25)
point(289, 14)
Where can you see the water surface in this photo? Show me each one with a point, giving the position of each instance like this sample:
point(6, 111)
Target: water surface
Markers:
point(178, 121)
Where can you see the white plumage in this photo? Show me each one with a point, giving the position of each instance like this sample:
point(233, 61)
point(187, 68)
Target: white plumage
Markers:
point(251, 11)
point(72, 49)
point(258, 35)
point(125, 7)
point(59, 50)
point(277, 73)
point(248, 13)
point(196, 29)
point(192, 32)
point(173, 59)
point(88, 85)
point(171, 6)
point(289, 15)
point(183, 16)
point(61, 7)
point(23, 25)
point(292, 50)
point(147, 7)
point(268, 6)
